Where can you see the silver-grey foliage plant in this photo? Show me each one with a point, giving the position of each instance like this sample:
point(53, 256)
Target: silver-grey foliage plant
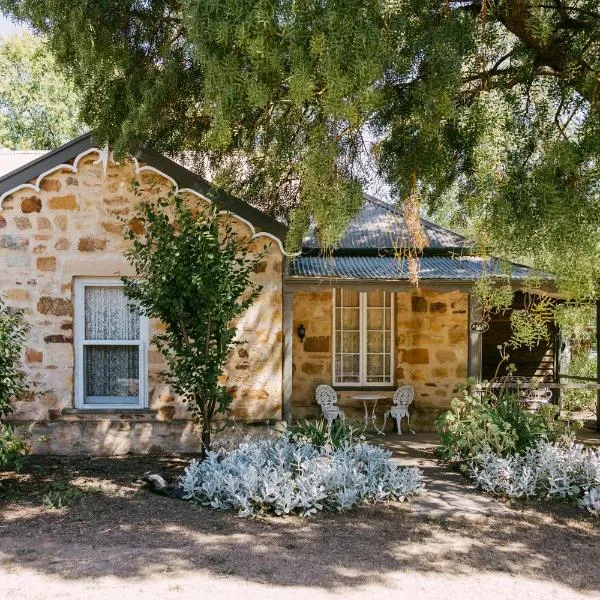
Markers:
point(545, 470)
point(281, 477)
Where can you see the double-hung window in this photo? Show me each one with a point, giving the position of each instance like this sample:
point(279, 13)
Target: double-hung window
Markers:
point(110, 347)
point(363, 337)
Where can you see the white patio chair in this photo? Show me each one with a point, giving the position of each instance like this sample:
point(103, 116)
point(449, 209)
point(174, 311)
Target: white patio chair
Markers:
point(401, 400)
point(327, 400)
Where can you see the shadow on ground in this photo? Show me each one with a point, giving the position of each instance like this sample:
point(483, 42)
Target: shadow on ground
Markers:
point(120, 530)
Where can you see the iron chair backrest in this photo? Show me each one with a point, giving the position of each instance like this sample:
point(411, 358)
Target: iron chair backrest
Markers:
point(403, 396)
point(326, 396)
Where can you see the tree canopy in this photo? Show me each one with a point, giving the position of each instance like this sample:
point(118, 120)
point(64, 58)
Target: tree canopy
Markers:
point(489, 107)
point(39, 107)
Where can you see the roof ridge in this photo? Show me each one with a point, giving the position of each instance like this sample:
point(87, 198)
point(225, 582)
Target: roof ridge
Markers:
point(394, 210)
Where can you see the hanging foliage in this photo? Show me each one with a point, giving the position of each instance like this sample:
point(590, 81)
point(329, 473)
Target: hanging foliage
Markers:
point(297, 104)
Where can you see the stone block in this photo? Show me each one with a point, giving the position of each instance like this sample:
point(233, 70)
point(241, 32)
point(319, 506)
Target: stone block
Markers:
point(22, 223)
point(445, 356)
point(166, 413)
point(58, 338)
point(33, 356)
point(31, 204)
point(457, 334)
point(50, 184)
point(17, 295)
point(415, 356)
point(136, 226)
point(59, 307)
point(18, 261)
point(43, 223)
point(312, 368)
point(62, 244)
point(91, 244)
point(418, 304)
point(61, 222)
point(68, 202)
point(13, 242)
point(317, 344)
point(112, 227)
point(438, 307)
point(46, 263)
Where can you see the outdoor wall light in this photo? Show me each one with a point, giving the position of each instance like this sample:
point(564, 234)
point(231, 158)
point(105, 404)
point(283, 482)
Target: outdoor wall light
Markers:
point(301, 332)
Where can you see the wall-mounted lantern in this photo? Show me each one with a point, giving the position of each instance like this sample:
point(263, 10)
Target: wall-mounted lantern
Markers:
point(301, 332)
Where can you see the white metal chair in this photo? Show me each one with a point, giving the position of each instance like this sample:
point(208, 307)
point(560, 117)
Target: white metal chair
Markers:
point(401, 400)
point(327, 400)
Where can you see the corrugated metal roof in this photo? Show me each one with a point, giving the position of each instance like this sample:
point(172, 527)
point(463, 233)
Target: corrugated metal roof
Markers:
point(466, 268)
point(381, 225)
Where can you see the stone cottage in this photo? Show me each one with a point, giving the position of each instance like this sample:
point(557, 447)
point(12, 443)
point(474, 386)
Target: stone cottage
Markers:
point(351, 318)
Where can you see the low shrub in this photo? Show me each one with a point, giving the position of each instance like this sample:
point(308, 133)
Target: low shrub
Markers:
point(591, 501)
point(478, 422)
point(13, 333)
point(13, 448)
point(282, 477)
point(545, 470)
point(61, 495)
point(318, 434)
point(576, 400)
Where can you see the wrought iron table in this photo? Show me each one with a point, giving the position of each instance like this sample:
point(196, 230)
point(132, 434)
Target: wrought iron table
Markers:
point(372, 417)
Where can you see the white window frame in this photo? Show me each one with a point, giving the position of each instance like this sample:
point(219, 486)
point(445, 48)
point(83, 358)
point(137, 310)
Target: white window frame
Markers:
point(362, 359)
point(80, 341)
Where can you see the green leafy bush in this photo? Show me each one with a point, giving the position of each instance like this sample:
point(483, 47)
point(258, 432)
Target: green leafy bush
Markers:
point(13, 331)
point(13, 448)
point(317, 434)
point(576, 400)
point(480, 423)
point(194, 274)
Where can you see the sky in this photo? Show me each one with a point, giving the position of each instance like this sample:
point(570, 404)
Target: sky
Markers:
point(7, 27)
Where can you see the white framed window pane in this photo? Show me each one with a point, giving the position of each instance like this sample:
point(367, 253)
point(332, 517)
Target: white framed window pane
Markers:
point(349, 298)
point(375, 341)
point(375, 298)
point(387, 341)
point(346, 368)
point(108, 316)
point(375, 318)
point(375, 367)
point(111, 374)
point(351, 319)
point(350, 342)
point(350, 368)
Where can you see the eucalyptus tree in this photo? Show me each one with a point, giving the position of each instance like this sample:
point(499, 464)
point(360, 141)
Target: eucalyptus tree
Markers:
point(491, 103)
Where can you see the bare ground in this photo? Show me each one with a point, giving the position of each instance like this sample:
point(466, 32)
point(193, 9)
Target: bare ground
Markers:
point(117, 540)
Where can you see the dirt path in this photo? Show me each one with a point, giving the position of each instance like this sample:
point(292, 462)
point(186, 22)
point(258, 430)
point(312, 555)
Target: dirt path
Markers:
point(118, 541)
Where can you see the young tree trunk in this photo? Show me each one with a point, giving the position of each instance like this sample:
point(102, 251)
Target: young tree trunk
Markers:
point(205, 437)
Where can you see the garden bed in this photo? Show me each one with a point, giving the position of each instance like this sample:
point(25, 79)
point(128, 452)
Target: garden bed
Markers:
point(117, 532)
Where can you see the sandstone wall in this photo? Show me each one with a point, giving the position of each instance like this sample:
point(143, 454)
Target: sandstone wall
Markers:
point(73, 228)
point(431, 341)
